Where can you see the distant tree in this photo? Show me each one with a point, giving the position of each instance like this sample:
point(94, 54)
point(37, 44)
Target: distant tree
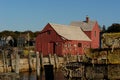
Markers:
point(114, 28)
point(16, 34)
point(103, 29)
point(31, 34)
point(6, 33)
point(36, 33)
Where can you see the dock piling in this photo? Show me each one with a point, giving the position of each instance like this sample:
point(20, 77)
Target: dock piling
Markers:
point(50, 59)
point(56, 61)
point(41, 61)
point(17, 62)
point(38, 65)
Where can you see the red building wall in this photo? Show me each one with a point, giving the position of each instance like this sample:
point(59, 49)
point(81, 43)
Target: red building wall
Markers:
point(94, 35)
point(47, 40)
point(75, 47)
point(88, 33)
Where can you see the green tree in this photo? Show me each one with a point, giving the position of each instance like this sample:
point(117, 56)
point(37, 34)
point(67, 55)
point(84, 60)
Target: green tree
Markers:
point(114, 28)
point(103, 29)
point(36, 33)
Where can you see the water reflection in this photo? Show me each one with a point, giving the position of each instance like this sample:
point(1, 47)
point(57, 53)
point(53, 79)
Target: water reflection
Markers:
point(28, 76)
point(58, 75)
point(90, 72)
point(31, 76)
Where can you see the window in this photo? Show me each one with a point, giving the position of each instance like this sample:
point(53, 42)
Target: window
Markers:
point(95, 33)
point(48, 32)
point(79, 45)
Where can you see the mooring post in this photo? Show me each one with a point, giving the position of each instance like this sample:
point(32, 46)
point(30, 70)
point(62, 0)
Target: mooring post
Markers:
point(41, 61)
point(78, 58)
point(56, 61)
point(38, 65)
point(11, 62)
point(50, 59)
point(30, 61)
point(65, 60)
point(7, 63)
point(17, 62)
point(3, 59)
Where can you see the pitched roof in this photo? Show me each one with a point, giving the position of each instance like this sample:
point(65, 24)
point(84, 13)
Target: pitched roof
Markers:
point(86, 26)
point(70, 32)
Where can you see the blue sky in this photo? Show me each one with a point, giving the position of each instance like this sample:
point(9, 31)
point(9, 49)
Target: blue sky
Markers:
point(22, 15)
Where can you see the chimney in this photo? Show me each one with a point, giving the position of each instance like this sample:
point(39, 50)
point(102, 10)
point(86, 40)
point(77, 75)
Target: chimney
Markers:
point(87, 19)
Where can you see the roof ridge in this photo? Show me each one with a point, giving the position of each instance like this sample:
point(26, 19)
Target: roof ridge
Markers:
point(69, 26)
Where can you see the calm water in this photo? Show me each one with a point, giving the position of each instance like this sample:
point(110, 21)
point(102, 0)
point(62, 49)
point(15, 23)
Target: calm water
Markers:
point(113, 71)
point(58, 75)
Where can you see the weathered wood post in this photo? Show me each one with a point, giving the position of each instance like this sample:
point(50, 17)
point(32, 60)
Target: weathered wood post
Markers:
point(29, 53)
point(78, 58)
point(38, 65)
point(17, 62)
point(12, 62)
point(3, 59)
point(41, 61)
point(50, 59)
point(12, 56)
point(6, 61)
point(56, 61)
point(30, 61)
point(66, 59)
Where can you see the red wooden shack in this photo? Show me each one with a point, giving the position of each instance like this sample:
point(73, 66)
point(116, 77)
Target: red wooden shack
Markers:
point(61, 39)
point(68, 39)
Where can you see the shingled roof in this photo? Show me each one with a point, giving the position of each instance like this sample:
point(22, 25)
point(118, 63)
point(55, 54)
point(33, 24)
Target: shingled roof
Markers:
point(86, 26)
point(70, 32)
